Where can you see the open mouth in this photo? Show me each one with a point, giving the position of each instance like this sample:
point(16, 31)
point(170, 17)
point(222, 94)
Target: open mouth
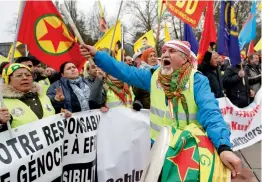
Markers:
point(166, 63)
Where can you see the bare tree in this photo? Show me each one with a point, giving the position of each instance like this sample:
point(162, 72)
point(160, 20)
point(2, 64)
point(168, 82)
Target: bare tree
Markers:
point(144, 13)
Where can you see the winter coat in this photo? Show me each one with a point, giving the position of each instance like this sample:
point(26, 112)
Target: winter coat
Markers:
point(31, 99)
point(213, 74)
point(71, 103)
point(254, 76)
point(236, 91)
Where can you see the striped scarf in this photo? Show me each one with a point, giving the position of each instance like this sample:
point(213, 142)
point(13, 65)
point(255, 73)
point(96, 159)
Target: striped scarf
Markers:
point(173, 86)
point(121, 89)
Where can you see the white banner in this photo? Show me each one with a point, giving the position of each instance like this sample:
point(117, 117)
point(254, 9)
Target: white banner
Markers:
point(51, 149)
point(245, 123)
point(123, 145)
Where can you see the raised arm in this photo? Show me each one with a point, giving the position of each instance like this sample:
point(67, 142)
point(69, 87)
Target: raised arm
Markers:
point(132, 76)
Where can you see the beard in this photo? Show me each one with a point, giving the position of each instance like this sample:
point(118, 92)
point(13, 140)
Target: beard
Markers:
point(165, 71)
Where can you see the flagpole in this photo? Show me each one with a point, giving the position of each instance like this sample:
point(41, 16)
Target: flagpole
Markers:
point(20, 13)
point(26, 50)
point(115, 27)
point(158, 24)
point(73, 26)
point(122, 43)
point(71, 23)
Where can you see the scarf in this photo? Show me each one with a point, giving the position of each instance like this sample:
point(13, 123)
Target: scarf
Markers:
point(121, 89)
point(82, 91)
point(144, 65)
point(173, 86)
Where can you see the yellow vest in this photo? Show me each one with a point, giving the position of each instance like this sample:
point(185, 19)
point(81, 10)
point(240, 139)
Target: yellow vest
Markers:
point(112, 100)
point(22, 114)
point(45, 84)
point(159, 111)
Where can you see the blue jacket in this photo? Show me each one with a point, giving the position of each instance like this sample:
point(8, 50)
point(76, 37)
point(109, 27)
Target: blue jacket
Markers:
point(208, 115)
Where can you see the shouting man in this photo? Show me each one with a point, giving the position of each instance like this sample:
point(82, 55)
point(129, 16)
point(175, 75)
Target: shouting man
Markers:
point(180, 96)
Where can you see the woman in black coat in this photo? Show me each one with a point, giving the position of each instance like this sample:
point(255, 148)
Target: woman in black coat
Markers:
point(210, 69)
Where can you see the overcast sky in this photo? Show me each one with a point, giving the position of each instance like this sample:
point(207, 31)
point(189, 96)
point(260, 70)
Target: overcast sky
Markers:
point(9, 9)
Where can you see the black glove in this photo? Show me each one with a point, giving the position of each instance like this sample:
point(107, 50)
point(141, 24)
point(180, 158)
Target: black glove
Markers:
point(137, 106)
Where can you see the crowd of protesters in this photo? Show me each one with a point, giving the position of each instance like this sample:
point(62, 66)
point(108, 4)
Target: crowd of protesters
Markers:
point(32, 91)
point(28, 82)
point(239, 83)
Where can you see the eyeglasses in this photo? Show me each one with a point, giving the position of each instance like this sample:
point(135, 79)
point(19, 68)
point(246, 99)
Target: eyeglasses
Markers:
point(21, 75)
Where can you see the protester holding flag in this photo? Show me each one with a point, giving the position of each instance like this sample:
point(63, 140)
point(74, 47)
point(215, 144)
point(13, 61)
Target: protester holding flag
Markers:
point(179, 97)
point(253, 69)
point(24, 99)
point(142, 97)
point(235, 82)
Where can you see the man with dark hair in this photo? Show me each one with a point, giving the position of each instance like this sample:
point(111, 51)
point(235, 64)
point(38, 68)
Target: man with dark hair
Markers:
point(144, 41)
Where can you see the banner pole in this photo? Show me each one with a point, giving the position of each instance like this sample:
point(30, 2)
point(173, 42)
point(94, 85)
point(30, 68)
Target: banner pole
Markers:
point(73, 26)
point(20, 13)
point(115, 27)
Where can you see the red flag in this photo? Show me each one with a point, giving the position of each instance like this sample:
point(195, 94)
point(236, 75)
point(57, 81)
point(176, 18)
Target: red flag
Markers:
point(209, 32)
point(250, 48)
point(46, 35)
point(188, 11)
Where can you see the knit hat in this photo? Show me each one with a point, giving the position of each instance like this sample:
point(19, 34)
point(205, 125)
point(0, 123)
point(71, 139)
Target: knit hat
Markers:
point(182, 46)
point(10, 69)
point(146, 53)
point(136, 55)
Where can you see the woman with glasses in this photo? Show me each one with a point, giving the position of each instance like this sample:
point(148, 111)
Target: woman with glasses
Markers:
point(24, 99)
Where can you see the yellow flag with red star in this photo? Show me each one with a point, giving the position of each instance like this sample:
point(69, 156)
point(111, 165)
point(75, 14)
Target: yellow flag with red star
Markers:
point(192, 157)
point(47, 37)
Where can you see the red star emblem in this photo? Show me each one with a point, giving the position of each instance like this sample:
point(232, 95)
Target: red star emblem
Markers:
point(184, 161)
point(204, 142)
point(55, 35)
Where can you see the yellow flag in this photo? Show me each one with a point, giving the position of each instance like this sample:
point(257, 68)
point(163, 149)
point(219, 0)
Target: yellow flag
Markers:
point(100, 9)
point(3, 59)
point(260, 7)
point(160, 3)
point(17, 53)
point(147, 40)
point(167, 35)
point(105, 41)
point(258, 46)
